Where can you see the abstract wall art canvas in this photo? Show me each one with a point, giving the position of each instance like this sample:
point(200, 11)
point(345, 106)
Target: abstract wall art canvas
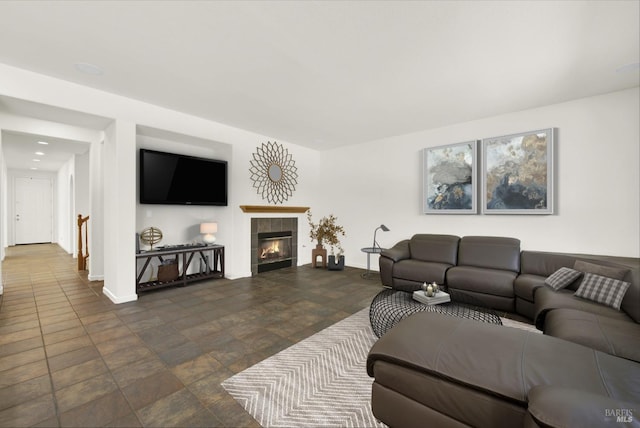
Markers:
point(449, 179)
point(517, 173)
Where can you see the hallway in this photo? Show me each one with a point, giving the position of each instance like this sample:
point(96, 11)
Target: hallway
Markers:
point(70, 357)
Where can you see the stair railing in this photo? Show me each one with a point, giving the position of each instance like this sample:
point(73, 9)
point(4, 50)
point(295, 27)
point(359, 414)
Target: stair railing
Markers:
point(82, 259)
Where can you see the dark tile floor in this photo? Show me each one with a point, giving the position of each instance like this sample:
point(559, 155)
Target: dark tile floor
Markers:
point(70, 357)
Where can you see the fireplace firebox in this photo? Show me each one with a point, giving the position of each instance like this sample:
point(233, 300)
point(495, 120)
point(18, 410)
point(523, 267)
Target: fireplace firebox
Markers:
point(274, 243)
point(274, 250)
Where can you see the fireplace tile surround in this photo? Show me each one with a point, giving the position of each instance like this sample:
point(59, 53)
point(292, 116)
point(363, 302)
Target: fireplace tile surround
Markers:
point(273, 224)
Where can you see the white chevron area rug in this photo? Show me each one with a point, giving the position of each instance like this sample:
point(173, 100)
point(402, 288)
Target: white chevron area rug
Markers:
point(319, 382)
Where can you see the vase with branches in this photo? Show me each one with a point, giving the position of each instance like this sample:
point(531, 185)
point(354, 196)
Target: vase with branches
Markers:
point(326, 232)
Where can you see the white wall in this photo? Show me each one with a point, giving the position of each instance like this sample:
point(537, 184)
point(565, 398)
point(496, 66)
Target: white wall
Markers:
point(597, 198)
point(96, 211)
point(72, 199)
point(3, 210)
point(63, 200)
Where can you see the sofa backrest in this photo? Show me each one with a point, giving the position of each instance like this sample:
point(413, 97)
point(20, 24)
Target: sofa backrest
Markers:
point(545, 263)
point(434, 248)
point(491, 252)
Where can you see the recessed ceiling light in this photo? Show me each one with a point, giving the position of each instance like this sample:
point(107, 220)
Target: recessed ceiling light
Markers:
point(36, 160)
point(634, 66)
point(44, 143)
point(40, 153)
point(33, 167)
point(87, 68)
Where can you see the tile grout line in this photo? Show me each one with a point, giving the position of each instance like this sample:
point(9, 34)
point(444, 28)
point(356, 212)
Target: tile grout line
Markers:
point(44, 349)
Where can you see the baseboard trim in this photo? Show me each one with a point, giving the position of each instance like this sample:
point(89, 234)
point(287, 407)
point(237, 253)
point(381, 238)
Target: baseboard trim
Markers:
point(238, 275)
point(117, 300)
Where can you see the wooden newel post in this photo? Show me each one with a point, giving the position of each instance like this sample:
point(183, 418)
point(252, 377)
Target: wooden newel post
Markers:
point(82, 259)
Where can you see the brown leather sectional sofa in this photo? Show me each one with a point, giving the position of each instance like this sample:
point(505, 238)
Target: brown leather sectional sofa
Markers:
point(437, 370)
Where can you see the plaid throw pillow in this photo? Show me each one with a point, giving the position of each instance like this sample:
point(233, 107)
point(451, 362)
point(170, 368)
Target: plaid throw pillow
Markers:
point(562, 277)
point(601, 289)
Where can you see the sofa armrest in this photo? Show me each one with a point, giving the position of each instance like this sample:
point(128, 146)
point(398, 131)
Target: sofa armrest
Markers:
point(398, 252)
point(553, 406)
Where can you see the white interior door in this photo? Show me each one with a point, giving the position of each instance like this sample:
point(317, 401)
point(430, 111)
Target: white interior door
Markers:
point(33, 210)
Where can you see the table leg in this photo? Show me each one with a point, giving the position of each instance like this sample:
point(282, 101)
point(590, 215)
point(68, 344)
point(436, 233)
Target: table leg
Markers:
point(367, 274)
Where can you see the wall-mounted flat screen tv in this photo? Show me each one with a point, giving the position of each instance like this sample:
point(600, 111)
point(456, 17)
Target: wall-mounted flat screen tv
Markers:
point(168, 178)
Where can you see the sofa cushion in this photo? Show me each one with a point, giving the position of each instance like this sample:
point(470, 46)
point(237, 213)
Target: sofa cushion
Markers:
point(562, 278)
point(544, 263)
point(491, 252)
point(525, 285)
point(435, 248)
point(420, 271)
point(608, 271)
point(547, 300)
point(616, 337)
point(601, 289)
point(480, 280)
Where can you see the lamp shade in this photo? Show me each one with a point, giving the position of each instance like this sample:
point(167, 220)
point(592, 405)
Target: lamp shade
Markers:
point(208, 227)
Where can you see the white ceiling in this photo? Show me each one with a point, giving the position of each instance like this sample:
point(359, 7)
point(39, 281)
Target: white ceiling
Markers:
point(330, 73)
point(20, 150)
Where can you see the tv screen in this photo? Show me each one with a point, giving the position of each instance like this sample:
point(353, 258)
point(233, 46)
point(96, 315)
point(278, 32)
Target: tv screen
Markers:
point(168, 178)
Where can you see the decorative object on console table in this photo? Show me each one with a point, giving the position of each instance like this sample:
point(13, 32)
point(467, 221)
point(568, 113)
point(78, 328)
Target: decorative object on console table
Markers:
point(449, 179)
point(168, 270)
point(517, 173)
point(150, 236)
point(326, 231)
point(273, 172)
point(208, 230)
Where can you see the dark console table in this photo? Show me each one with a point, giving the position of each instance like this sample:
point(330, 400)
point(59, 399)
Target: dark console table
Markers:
point(211, 258)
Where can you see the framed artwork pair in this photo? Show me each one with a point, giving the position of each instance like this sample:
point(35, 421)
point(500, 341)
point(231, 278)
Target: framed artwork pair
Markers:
point(511, 174)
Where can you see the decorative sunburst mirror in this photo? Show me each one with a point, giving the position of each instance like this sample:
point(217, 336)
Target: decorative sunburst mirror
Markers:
point(273, 172)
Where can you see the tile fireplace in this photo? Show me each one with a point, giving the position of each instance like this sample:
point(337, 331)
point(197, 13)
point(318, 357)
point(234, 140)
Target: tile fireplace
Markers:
point(274, 243)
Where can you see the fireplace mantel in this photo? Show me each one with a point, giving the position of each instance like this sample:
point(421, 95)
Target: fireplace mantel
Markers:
point(271, 209)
